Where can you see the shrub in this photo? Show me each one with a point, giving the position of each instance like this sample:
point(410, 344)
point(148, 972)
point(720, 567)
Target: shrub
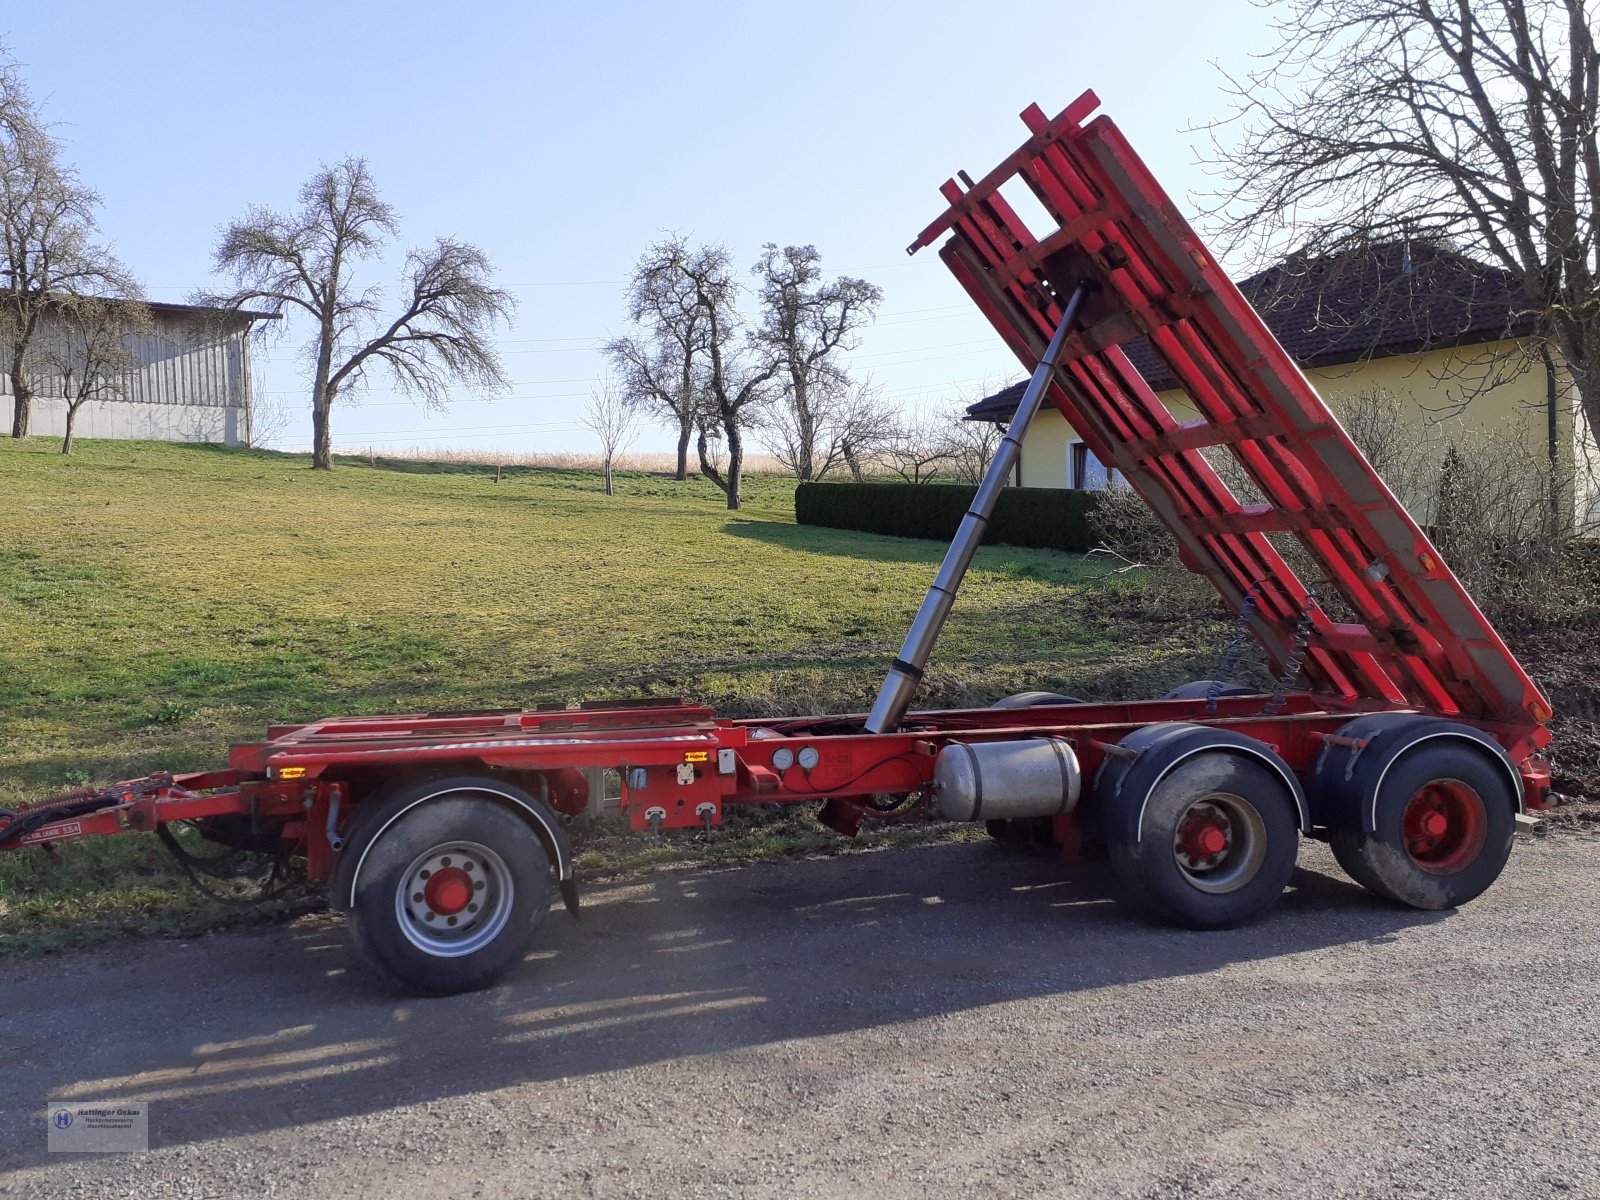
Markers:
point(1041, 518)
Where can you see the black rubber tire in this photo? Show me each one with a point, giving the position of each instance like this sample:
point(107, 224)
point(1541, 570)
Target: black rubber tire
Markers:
point(1022, 831)
point(1199, 689)
point(375, 923)
point(1379, 861)
point(1034, 700)
point(1011, 833)
point(1150, 870)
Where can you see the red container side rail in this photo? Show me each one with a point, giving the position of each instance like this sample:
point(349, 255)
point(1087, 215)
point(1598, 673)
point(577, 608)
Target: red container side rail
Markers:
point(1417, 639)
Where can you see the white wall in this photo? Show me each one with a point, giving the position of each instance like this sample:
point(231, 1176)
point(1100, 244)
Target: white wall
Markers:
point(127, 420)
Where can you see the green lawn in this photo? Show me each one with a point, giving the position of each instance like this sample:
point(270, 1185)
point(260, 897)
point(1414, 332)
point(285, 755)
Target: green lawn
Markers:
point(158, 602)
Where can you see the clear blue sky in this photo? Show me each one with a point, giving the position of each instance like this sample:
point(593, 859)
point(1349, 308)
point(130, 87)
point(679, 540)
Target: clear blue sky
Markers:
point(563, 138)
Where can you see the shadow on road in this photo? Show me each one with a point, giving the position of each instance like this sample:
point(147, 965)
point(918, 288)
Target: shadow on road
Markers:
point(240, 1033)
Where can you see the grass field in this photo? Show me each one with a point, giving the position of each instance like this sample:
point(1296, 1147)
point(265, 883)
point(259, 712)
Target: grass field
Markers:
point(159, 601)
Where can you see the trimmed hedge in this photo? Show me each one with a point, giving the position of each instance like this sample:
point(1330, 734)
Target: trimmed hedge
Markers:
point(1044, 518)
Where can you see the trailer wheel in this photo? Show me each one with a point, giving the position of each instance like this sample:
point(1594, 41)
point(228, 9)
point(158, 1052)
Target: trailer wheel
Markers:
point(450, 895)
point(1200, 689)
point(1443, 823)
point(1034, 700)
point(1220, 835)
point(1024, 831)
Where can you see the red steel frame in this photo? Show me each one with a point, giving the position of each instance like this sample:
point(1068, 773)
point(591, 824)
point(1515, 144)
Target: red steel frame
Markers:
point(1415, 643)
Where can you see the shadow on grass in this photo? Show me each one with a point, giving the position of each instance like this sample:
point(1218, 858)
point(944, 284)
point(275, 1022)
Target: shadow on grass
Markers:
point(678, 965)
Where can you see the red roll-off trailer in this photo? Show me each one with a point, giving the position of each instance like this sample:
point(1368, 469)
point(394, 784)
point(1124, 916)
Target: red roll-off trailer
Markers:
point(1402, 730)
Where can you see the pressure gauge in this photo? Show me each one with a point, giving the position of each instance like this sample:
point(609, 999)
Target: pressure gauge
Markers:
point(809, 757)
point(783, 758)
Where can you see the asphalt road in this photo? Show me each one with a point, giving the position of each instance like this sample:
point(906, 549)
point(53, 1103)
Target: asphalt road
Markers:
point(955, 1021)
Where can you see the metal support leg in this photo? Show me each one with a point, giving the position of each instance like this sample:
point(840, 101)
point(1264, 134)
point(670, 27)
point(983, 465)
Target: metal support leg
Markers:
point(895, 695)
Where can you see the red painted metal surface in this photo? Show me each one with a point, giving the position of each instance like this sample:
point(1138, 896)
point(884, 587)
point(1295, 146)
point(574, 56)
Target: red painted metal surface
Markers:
point(1444, 826)
point(1404, 632)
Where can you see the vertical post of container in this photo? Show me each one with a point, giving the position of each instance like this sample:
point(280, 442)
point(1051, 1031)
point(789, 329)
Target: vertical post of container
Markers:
point(906, 672)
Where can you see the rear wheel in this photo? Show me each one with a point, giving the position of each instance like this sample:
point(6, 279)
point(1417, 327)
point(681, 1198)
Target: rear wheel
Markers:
point(1201, 689)
point(1219, 839)
point(1442, 828)
point(1027, 831)
point(1034, 700)
point(450, 895)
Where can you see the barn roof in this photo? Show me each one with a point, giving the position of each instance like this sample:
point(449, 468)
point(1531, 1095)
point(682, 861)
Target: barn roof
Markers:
point(1378, 302)
point(190, 310)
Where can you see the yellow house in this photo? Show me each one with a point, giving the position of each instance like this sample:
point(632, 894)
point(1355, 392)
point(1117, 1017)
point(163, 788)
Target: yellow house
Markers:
point(1437, 341)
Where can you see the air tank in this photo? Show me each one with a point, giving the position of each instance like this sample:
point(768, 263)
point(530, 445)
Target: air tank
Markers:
point(999, 781)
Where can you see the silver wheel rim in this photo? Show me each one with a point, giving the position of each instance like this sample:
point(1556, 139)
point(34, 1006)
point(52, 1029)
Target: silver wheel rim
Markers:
point(425, 907)
point(1242, 853)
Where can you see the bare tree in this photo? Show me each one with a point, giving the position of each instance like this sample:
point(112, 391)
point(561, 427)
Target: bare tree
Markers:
point(1476, 122)
point(920, 448)
point(48, 258)
point(693, 358)
point(846, 425)
point(304, 260)
point(658, 363)
point(866, 425)
point(266, 419)
point(614, 420)
point(90, 350)
point(805, 323)
point(972, 444)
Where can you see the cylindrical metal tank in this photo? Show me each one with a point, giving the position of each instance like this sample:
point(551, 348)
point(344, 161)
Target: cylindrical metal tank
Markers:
point(998, 781)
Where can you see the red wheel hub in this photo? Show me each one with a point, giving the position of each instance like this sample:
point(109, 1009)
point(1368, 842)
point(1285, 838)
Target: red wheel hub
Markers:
point(1203, 836)
point(449, 890)
point(1444, 826)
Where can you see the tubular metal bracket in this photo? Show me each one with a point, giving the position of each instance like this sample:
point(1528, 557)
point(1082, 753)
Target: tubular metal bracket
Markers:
point(906, 672)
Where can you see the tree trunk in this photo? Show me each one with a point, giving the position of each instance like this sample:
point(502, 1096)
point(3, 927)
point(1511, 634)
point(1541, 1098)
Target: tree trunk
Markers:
point(853, 461)
point(685, 432)
point(735, 464)
point(607, 467)
point(22, 410)
point(321, 432)
point(322, 393)
point(806, 426)
point(72, 417)
point(709, 471)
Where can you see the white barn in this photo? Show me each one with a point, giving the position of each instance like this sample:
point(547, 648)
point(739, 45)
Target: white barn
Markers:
point(192, 384)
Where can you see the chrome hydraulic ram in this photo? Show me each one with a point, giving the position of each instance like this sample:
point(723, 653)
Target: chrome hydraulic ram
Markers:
point(906, 672)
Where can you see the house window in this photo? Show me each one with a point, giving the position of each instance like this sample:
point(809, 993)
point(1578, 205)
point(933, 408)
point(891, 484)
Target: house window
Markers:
point(1085, 472)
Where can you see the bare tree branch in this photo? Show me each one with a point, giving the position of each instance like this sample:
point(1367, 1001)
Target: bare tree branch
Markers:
point(90, 351)
point(614, 420)
point(1472, 123)
point(303, 260)
point(48, 258)
point(805, 324)
point(690, 359)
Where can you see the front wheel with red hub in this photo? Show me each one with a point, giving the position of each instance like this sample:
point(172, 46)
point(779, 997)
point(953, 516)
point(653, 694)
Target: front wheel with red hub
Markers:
point(1443, 820)
point(449, 894)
